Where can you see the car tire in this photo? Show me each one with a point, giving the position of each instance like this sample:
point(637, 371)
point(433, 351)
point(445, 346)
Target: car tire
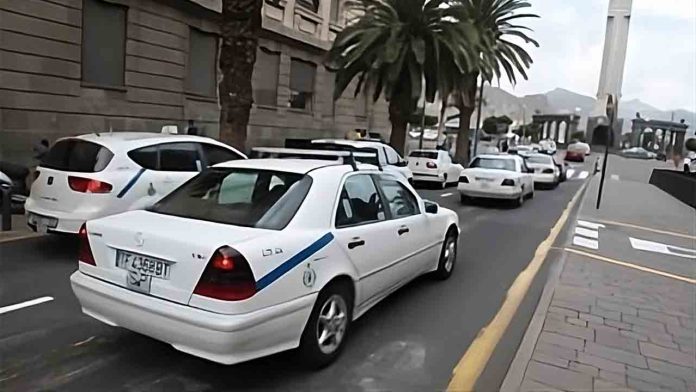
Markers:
point(444, 181)
point(686, 169)
point(464, 199)
point(531, 195)
point(316, 355)
point(448, 256)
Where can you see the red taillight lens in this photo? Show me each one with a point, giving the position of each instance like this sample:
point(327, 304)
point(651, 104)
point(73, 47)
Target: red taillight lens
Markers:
point(431, 165)
point(508, 182)
point(84, 254)
point(227, 277)
point(87, 185)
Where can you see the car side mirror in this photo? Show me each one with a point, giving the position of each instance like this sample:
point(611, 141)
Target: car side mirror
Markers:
point(403, 163)
point(431, 207)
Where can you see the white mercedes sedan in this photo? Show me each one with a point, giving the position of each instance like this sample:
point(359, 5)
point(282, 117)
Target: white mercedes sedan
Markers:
point(497, 177)
point(254, 257)
point(546, 173)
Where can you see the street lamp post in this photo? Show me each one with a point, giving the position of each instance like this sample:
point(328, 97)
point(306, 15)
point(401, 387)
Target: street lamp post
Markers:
point(611, 115)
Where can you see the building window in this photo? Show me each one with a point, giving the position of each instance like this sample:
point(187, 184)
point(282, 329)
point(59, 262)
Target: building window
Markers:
point(335, 10)
point(309, 4)
point(103, 43)
point(266, 77)
point(301, 84)
point(201, 78)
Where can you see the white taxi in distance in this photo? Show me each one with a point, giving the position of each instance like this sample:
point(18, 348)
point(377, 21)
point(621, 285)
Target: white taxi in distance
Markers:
point(545, 170)
point(389, 159)
point(433, 166)
point(254, 257)
point(497, 177)
point(99, 174)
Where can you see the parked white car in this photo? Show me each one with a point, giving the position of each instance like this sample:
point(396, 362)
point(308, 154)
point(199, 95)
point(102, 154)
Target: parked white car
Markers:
point(91, 176)
point(690, 162)
point(259, 256)
point(497, 177)
point(389, 158)
point(547, 146)
point(545, 170)
point(433, 166)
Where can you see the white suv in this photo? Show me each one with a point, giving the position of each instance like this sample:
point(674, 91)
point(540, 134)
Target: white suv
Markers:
point(100, 174)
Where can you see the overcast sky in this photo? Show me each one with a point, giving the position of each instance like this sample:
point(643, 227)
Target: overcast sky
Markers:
point(661, 60)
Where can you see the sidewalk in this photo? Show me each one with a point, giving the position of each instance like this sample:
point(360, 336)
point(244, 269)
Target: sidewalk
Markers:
point(19, 230)
point(620, 314)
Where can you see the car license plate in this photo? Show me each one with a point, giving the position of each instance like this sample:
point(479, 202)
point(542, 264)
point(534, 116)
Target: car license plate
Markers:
point(141, 269)
point(42, 223)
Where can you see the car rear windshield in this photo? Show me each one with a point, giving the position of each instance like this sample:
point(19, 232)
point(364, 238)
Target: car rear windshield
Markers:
point(493, 163)
point(538, 159)
point(77, 155)
point(423, 154)
point(241, 197)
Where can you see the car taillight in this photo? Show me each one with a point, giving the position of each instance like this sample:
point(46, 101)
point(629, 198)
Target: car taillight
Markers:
point(88, 185)
point(227, 277)
point(36, 175)
point(431, 165)
point(84, 254)
point(508, 182)
point(464, 179)
point(548, 171)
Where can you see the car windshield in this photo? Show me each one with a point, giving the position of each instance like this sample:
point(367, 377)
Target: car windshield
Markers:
point(539, 159)
point(423, 154)
point(241, 197)
point(77, 155)
point(494, 163)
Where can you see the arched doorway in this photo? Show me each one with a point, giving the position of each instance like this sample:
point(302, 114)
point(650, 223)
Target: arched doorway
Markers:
point(659, 139)
point(545, 130)
point(646, 138)
point(562, 130)
point(600, 134)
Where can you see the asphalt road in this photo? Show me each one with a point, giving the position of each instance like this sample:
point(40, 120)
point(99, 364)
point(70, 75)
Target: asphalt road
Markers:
point(409, 342)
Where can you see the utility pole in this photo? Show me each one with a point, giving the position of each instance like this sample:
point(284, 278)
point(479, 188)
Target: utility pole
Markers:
point(611, 115)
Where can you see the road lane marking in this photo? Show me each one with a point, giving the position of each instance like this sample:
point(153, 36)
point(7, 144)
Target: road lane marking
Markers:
point(586, 242)
point(10, 308)
point(446, 194)
point(569, 173)
point(21, 237)
point(615, 177)
point(583, 174)
point(632, 226)
point(467, 371)
point(80, 343)
point(587, 232)
point(590, 225)
point(630, 265)
point(657, 247)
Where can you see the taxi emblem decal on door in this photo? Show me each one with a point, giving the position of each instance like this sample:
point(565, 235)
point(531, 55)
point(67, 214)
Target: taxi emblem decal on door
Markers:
point(309, 276)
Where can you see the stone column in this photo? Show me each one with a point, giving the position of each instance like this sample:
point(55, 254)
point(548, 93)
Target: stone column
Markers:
point(289, 14)
point(678, 140)
point(325, 12)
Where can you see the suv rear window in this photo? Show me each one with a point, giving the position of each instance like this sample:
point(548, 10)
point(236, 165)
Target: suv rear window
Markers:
point(241, 197)
point(77, 155)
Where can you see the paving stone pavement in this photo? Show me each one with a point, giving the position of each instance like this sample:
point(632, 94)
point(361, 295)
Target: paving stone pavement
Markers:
point(611, 328)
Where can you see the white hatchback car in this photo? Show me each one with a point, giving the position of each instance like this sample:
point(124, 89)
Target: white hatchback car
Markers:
point(264, 255)
point(497, 177)
point(100, 174)
point(545, 170)
point(433, 166)
point(389, 158)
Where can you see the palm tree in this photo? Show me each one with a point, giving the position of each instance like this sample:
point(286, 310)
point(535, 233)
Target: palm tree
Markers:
point(395, 46)
point(240, 25)
point(495, 21)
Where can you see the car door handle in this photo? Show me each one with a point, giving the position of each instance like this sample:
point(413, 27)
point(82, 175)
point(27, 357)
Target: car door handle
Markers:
point(355, 244)
point(403, 230)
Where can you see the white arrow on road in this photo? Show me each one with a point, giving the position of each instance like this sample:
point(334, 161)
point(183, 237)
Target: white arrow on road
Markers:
point(657, 247)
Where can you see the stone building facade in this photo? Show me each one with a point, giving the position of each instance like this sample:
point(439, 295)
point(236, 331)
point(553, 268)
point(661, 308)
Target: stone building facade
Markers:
point(69, 67)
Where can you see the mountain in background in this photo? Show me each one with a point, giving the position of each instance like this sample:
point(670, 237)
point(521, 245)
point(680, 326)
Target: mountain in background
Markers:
point(498, 102)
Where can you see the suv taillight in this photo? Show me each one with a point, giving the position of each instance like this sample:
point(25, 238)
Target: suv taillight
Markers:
point(431, 165)
point(84, 254)
point(88, 185)
point(227, 277)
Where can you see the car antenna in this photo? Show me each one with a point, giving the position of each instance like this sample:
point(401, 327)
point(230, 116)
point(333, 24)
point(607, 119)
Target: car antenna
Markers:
point(351, 161)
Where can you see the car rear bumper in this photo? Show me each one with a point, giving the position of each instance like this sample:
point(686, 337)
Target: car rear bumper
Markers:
point(67, 222)
point(543, 178)
point(221, 338)
point(434, 177)
point(491, 193)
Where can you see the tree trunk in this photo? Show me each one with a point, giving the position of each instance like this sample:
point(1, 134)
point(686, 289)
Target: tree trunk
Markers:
point(399, 119)
point(466, 103)
point(240, 25)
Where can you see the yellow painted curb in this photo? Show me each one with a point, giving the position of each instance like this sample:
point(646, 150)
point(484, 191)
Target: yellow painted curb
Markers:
point(474, 361)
